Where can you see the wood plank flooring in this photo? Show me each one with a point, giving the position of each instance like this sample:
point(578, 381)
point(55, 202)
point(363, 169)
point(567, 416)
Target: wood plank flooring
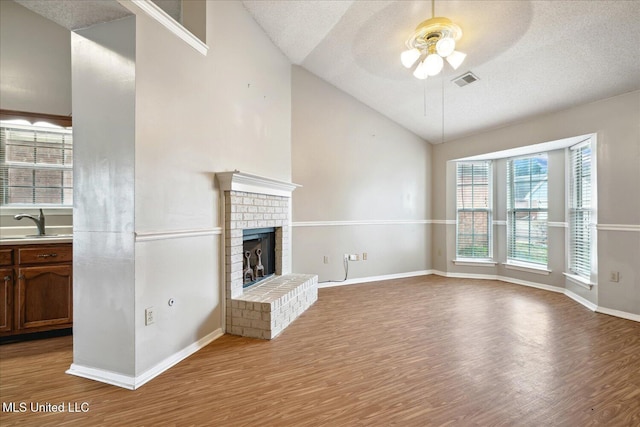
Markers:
point(423, 351)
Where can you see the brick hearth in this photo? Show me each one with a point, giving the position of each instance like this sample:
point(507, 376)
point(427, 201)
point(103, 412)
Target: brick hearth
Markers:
point(262, 310)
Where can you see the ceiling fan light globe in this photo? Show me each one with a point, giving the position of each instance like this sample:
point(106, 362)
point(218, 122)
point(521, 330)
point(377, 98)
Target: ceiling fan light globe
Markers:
point(409, 57)
point(456, 58)
point(433, 64)
point(445, 46)
point(420, 72)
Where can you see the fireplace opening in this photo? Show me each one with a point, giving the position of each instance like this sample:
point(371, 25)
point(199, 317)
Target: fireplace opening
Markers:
point(259, 255)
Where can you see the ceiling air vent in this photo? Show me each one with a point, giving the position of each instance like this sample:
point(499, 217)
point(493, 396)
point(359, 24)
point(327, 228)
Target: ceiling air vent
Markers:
point(465, 79)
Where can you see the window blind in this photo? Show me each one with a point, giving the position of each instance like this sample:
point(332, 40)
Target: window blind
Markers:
point(473, 196)
point(527, 209)
point(36, 165)
point(580, 210)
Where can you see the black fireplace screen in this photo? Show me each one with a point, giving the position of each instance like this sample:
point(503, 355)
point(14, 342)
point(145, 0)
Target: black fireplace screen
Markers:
point(259, 254)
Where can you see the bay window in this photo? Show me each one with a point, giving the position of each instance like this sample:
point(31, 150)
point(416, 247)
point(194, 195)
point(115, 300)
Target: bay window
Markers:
point(527, 210)
point(473, 195)
point(581, 212)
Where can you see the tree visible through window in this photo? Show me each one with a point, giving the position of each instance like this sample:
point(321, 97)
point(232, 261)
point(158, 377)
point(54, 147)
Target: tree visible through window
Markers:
point(527, 209)
point(36, 164)
point(473, 195)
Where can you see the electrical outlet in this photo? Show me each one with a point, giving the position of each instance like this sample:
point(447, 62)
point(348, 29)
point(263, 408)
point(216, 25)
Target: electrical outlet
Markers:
point(364, 256)
point(354, 257)
point(149, 316)
point(614, 276)
point(326, 259)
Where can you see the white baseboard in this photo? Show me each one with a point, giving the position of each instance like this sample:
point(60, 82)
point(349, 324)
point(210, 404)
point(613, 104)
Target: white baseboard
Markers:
point(577, 298)
point(177, 357)
point(588, 304)
point(375, 278)
point(103, 376)
point(456, 275)
point(132, 383)
point(500, 278)
point(618, 313)
point(532, 284)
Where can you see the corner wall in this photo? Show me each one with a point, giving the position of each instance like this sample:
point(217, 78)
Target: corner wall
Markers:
point(365, 186)
point(103, 235)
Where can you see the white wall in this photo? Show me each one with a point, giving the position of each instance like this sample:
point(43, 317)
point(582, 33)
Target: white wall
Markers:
point(35, 62)
point(197, 115)
point(617, 125)
point(103, 240)
point(355, 165)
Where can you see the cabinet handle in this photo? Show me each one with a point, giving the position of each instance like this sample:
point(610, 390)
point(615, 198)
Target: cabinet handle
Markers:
point(47, 255)
point(6, 279)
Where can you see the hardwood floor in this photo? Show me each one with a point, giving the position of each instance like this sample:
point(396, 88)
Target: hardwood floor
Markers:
point(412, 352)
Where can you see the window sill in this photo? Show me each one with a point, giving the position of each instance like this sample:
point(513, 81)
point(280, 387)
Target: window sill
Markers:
point(475, 262)
point(580, 281)
point(529, 268)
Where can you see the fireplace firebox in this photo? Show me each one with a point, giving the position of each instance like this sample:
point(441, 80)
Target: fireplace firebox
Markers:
point(259, 257)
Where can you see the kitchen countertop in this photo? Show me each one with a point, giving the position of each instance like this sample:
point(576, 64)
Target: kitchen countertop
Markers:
point(32, 240)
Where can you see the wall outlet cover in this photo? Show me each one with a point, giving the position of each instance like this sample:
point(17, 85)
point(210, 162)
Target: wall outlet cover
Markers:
point(149, 316)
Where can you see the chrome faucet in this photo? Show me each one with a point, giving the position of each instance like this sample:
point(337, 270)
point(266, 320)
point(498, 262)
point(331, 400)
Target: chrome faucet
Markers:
point(39, 221)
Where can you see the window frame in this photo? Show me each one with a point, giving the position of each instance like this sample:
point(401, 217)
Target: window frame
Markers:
point(488, 210)
point(512, 211)
point(582, 277)
point(64, 122)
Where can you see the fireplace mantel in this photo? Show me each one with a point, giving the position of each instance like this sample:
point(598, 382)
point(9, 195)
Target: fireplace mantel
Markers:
point(250, 183)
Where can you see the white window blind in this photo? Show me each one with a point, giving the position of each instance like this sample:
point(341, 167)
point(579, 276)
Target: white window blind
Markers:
point(36, 165)
point(473, 195)
point(580, 210)
point(527, 209)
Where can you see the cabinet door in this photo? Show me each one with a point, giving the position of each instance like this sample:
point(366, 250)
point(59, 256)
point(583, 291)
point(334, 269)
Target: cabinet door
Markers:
point(6, 299)
point(44, 296)
point(6, 256)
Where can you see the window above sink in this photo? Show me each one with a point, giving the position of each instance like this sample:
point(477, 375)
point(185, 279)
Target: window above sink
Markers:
point(36, 160)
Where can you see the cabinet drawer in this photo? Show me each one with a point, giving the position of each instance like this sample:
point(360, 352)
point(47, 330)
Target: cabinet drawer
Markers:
point(6, 256)
point(45, 254)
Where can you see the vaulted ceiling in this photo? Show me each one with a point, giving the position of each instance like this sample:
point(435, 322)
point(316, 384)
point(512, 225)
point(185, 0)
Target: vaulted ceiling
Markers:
point(532, 57)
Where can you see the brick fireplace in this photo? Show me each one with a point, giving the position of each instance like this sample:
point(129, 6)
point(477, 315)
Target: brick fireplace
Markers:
point(264, 309)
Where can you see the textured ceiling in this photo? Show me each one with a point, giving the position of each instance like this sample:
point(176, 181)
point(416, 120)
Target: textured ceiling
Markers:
point(532, 57)
point(76, 14)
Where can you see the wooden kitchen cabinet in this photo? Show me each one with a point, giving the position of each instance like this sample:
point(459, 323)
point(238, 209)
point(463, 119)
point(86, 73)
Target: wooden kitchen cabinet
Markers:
point(44, 297)
point(6, 294)
point(38, 290)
